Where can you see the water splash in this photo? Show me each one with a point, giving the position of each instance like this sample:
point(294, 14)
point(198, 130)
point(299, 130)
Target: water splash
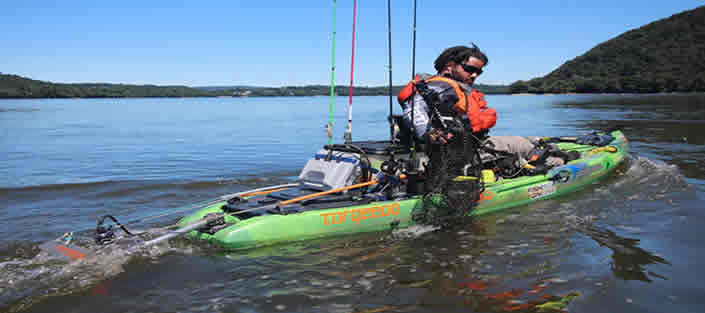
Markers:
point(652, 173)
point(414, 231)
point(28, 280)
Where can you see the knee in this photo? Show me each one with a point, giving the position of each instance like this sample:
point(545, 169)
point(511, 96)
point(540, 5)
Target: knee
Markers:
point(554, 161)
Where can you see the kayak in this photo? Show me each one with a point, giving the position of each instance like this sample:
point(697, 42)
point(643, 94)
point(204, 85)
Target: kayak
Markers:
point(283, 213)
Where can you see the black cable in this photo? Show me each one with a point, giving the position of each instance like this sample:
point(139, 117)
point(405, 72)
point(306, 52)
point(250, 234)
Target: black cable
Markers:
point(115, 220)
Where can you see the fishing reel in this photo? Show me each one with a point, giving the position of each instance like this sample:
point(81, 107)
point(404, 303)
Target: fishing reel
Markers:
point(389, 181)
point(391, 167)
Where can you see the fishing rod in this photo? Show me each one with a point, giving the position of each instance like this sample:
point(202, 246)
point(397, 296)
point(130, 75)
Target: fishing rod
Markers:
point(413, 47)
point(329, 127)
point(389, 33)
point(412, 144)
point(348, 132)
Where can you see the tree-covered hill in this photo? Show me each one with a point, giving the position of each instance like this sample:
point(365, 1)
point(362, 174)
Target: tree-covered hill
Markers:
point(663, 56)
point(13, 86)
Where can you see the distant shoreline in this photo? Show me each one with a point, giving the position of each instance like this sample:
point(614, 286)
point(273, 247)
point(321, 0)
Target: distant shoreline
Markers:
point(17, 87)
point(384, 95)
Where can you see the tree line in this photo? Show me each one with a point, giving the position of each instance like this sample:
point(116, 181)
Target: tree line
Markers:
point(13, 86)
point(667, 55)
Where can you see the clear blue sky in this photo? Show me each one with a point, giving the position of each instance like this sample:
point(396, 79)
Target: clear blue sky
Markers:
point(277, 43)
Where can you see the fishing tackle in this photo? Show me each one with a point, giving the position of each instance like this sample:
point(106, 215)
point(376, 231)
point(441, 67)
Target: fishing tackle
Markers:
point(105, 235)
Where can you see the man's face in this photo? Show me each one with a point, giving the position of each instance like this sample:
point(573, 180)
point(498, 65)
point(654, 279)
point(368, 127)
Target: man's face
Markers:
point(467, 71)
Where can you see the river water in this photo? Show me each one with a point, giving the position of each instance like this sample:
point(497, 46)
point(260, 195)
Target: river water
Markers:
point(627, 244)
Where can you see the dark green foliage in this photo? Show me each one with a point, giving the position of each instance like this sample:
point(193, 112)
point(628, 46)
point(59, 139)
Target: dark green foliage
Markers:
point(664, 56)
point(13, 86)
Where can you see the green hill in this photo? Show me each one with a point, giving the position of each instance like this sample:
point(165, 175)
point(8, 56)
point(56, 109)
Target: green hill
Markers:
point(664, 56)
point(13, 86)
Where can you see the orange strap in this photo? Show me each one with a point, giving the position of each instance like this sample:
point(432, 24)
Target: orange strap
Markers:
point(264, 192)
point(460, 105)
point(327, 192)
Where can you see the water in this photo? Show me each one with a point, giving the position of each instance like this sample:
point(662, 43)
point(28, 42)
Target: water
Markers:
point(628, 244)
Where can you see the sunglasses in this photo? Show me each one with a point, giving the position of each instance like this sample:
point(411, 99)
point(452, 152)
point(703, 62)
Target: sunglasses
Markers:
point(471, 69)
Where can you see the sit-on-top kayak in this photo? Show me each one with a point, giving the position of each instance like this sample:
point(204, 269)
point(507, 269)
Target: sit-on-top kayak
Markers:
point(283, 213)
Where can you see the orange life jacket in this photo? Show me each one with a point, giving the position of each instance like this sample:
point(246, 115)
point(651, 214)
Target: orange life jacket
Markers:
point(474, 105)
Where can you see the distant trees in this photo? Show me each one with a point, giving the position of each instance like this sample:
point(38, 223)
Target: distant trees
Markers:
point(13, 86)
point(663, 56)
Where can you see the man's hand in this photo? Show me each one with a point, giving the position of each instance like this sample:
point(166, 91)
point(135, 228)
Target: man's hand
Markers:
point(437, 136)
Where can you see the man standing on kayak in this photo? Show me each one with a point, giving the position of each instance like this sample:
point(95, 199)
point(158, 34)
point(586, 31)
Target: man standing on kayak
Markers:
point(457, 69)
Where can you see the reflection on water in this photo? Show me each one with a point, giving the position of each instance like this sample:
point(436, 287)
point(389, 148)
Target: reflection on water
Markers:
point(625, 244)
point(515, 261)
point(670, 126)
point(628, 260)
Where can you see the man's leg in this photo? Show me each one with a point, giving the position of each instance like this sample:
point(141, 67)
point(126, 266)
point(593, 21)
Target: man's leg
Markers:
point(511, 144)
point(521, 145)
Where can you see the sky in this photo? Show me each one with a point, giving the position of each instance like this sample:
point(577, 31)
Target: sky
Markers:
point(289, 43)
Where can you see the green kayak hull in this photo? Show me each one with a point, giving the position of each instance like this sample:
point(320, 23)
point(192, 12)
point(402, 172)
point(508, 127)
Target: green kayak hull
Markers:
point(595, 164)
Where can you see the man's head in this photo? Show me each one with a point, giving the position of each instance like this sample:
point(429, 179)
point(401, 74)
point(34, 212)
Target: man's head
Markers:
point(462, 63)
